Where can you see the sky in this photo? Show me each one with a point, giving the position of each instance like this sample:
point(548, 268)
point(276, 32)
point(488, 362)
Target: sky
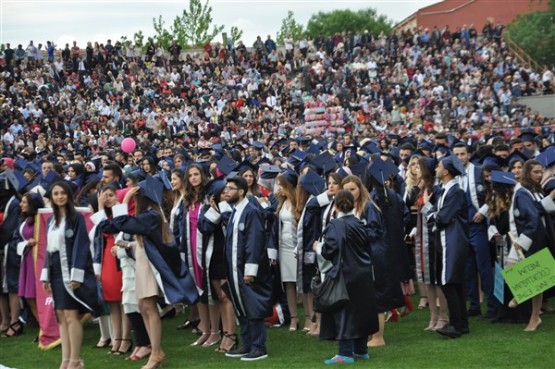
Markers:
point(65, 21)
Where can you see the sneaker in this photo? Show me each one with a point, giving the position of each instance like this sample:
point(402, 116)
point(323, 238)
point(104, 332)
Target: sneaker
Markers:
point(339, 359)
point(257, 354)
point(361, 356)
point(239, 352)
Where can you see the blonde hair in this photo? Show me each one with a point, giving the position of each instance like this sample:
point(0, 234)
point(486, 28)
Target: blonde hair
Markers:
point(410, 178)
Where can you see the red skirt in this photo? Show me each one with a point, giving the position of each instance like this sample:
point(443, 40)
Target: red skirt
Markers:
point(110, 276)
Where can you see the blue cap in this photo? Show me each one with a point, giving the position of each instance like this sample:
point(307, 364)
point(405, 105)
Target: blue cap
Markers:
point(492, 159)
point(313, 149)
point(49, 179)
point(453, 164)
point(342, 172)
point(297, 155)
point(382, 170)
point(258, 145)
point(500, 177)
point(517, 156)
point(152, 189)
point(324, 162)
point(137, 175)
point(163, 177)
point(430, 163)
point(291, 177)
point(7, 179)
point(215, 186)
point(303, 140)
point(245, 164)
point(312, 183)
point(444, 150)
point(226, 165)
point(269, 171)
point(528, 135)
point(371, 148)
point(359, 169)
point(547, 157)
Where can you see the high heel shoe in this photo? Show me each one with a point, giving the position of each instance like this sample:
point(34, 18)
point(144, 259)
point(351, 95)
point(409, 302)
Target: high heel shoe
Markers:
point(423, 302)
point(201, 340)
point(103, 344)
point(115, 347)
point(209, 342)
point(513, 304)
point(158, 361)
point(76, 364)
point(231, 337)
point(293, 326)
point(15, 329)
point(126, 351)
point(534, 327)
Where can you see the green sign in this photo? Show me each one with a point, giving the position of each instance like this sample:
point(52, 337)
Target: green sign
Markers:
point(531, 276)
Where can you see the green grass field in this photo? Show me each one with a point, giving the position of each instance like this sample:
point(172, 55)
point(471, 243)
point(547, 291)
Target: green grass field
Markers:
point(408, 346)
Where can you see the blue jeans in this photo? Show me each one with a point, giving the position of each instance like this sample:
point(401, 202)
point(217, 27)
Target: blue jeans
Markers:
point(357, 346)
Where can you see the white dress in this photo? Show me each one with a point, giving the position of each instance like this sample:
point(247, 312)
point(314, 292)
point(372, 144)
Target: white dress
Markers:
point(287, 244)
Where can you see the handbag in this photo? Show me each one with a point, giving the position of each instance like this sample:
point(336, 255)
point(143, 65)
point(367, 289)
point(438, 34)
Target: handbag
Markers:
point(330, 295)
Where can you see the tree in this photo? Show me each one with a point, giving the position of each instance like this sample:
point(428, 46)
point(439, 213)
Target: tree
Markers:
point(192, 28)
point(348, 20)
point(289, 26)
point(235, 34)
point(535, 34)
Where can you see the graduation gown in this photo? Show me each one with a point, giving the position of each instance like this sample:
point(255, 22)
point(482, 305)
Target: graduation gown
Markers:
point(388, 289)
point(450, 220)
point(527, 220)
point(245, 251)
point(211, 225)
point(309, 229)
point(347, 239)
point(76, 264)
point(10, 259)
point(169, 269)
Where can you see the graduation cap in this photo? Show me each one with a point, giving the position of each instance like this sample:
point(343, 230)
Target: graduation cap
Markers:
point(278, 143)
point(215, 186)
point(393, 136)
point(547, 157)
point(269, 171)
point(528, 135)
point(204, 152)
point(291, 177)
point(226, 165)
point(258, 145)
point(298, 155)
point(342, 172)
point(517, 156)
point(492, 159)
point(504, 178)
point(137, 175)
point(325, 163)
point(313, 149)
point(442, 149)
point(303, 140)
point(153, 189)
point(163, 176)
point(352, 149)
point(359, 169)
point(244, 165)
point(453, 165)
point(425, 145)
point(50, 178)
point(382, 170)
point(20, 164)
point(371, 148)
point(8, 178)
point(312, 183)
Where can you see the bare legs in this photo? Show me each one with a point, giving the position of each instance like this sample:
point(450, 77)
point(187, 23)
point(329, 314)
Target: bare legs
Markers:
point(291, 295)
point(424, 301)
point(227, 315)
point(535, 320)
point(204, 325)
point(120, 328)
point(313, 327)
point(71, 334)
point(438, 315)
point(214, 314)
point(153, 325)
point(377, 338)
point(4, 312)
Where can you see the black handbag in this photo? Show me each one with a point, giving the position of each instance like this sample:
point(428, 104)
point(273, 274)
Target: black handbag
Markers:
point(330, 295)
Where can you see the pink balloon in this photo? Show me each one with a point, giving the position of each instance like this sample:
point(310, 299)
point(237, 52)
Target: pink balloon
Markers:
point(128, 145)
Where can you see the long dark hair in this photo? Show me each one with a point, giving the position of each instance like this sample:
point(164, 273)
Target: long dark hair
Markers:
point(142, 204)
point(525, 178)
point(35, 203)
point(193, 194)
point(71, 213)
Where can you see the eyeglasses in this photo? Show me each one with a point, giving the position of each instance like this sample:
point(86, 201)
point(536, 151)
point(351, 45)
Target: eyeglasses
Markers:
point(230, 188)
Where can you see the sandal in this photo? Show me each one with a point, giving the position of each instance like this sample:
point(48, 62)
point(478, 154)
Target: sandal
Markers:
point(114, 350)
point(231, 337)
point(210, 342)
point(293, 326)
point(139, 357)
point(15, 329)
point(128, 350)
point(203, 338)
point(103, 344)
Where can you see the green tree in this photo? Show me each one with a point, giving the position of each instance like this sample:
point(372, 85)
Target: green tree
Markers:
point(192, 28)
point(535, 34)
point(139, 38)
point(162, 34)
point(327, 23)
point(289, 26)
point(235, 34)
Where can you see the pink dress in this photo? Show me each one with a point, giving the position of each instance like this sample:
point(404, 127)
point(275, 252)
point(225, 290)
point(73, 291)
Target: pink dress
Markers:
point(27, 287)
point(193, 222)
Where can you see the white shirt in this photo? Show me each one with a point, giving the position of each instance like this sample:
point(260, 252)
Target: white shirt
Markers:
point(56, 237)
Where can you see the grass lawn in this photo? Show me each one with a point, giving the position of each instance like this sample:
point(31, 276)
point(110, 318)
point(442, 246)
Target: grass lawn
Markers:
point(408, 346)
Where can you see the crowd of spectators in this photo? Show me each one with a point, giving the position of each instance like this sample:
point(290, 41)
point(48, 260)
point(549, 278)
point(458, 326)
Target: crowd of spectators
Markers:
point(414, 82)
